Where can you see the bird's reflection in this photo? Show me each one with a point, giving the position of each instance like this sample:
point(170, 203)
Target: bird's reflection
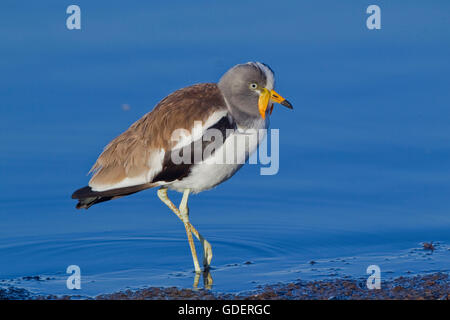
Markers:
point(207, 279)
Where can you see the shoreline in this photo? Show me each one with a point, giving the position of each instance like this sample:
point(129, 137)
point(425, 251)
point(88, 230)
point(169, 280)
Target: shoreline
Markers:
point(434, 286)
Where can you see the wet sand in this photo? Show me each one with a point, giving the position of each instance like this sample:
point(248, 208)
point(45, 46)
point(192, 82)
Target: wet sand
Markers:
point(434, 286)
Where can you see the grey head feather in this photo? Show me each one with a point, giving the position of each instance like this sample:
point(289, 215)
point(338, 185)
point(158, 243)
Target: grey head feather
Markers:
point(241, 100)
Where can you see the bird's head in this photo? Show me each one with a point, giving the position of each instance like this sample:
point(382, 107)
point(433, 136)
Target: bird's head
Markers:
point(248, 89)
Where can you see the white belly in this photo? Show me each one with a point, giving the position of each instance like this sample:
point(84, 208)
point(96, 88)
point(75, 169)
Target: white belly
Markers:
point(224, 162)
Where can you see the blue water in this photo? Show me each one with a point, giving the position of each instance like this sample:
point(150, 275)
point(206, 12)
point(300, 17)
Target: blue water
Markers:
point(364, 157)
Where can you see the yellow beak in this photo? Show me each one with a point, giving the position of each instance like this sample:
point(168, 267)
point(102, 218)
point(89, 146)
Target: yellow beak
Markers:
point(266, 97)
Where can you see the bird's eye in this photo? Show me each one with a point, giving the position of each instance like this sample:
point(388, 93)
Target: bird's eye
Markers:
point(253, 86)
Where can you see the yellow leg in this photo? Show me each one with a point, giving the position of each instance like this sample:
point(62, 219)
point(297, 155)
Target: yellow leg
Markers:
point(207, 249)
point(185, 218)
point(183, 215)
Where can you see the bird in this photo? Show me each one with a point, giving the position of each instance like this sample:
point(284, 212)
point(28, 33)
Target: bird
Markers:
point(167, 147)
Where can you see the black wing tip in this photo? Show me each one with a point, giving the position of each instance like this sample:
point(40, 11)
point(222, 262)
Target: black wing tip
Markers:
point(86, 203)
point(82, 193)
point(85, 197)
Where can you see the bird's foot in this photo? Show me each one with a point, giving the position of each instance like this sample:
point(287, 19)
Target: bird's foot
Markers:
point(207, 254)
point(207, 279)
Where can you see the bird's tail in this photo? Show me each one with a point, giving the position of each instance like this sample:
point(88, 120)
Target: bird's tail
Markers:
point(87, 197)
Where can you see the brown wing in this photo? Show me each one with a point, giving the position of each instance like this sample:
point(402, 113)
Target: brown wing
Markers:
point(128, 155)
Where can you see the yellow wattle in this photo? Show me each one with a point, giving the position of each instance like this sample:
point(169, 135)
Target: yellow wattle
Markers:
point(263, 102)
